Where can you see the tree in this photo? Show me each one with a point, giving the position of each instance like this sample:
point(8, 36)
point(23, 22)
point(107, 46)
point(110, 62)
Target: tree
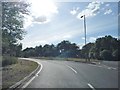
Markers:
point(28, 52)
point(106, 55)
point(38, 51)
point(12, 25)
point(49, 51)
point(115, 55)
point(68, 49)
point(104, 43)
point(86, 50)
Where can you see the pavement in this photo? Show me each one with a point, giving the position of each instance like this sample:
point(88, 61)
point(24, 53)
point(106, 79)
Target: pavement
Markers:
point(69, 74)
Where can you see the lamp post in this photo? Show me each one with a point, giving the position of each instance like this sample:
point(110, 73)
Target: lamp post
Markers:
point(84, 26)
point(84, 23)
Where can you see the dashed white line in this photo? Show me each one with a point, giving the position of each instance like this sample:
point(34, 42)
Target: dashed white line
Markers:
point(34, 76)
point(99, 66)
point(110, 67)
point(71, 69)
point(114, 68)
point(91, 86)
point(104, 66)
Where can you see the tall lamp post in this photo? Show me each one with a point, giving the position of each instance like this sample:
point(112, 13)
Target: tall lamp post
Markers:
point(84, 26)
point(84, 31)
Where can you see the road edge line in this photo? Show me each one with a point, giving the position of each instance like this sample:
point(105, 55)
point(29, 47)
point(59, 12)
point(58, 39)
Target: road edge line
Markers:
point(24, 86)
point(25, 78)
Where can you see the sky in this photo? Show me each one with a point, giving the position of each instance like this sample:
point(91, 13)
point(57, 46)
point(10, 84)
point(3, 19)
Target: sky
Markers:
point(52, 22)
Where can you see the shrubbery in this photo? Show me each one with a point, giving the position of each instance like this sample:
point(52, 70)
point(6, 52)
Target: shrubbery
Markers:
point(106, 55)
point(8, 60)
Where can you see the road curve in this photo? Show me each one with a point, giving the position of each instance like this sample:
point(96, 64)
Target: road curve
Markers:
point(69, 74)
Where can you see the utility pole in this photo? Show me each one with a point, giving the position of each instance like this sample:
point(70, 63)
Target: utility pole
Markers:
point(84, 23)
point(84, 26)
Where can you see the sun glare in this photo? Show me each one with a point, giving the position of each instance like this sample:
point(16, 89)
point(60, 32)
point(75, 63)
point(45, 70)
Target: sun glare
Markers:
point(43, 7)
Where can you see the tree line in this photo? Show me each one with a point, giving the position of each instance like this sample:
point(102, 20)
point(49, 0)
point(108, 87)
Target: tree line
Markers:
point(104, 48)
point(12, 30)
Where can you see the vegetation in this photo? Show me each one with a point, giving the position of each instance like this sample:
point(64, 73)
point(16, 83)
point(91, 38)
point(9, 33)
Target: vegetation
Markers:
point(11, 74)
point(7, 60)
point(105, 48)
point(12, 30)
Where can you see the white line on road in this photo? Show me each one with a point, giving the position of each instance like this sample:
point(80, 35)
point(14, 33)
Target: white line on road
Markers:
point(109, 67)
point(91, 86)
point(104, 66)
point(99, 66)
point(71, 69)
point(34, 76)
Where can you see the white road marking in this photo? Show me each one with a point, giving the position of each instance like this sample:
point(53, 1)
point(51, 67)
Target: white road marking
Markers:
point(110, 67)
point(71, 69)
point(29, 82)
point(114, 68)
point(33, 77)
point(99, 66)
point(104, 66)
point(91, 86)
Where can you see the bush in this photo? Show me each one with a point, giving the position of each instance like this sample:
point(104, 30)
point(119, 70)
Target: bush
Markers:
point(8, 60)
point(115, 55)
point(106, 55)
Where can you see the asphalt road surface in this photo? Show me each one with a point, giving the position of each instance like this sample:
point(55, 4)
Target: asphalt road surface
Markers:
point(70, 74)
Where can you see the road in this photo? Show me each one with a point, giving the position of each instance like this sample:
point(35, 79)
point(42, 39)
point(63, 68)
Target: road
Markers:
point(69, 74)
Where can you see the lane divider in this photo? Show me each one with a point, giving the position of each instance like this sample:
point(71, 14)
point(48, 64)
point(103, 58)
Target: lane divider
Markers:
point(91, 86)
point(72, 69)
point(110, 67)
point(104, 66)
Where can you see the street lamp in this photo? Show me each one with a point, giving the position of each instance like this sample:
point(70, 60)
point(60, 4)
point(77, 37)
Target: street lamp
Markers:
point(85, 32)
point(84, 26)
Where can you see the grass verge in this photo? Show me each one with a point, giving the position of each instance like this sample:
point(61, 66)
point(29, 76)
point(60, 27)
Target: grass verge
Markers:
point(13, 73)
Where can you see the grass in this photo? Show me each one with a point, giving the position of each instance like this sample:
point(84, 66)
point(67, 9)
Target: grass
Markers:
point(8, 60)
point(13, 73)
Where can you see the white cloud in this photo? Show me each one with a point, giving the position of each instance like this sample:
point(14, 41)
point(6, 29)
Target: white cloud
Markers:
point(108, 11)
point(41, 20)
point(45, 39)
point(107, 5)
point(81, 45)
point(83, 38)
point(91, 10)
point(41, 12)
point(74, 11)
point(27, 21)
point(43, 7)
point(92, 39)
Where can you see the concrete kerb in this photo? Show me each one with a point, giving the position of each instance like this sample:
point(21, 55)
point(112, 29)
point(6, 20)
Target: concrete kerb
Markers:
point(21, 82)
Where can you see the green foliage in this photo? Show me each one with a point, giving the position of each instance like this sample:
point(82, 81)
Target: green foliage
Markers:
point(12, 27)
point(63, 49)
point(105, 48)
point(98, 49)
point(106, 55)
point(68, 49)
point(115, 55)
point(86, 49)
point(8, 60)
point(12, 30)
